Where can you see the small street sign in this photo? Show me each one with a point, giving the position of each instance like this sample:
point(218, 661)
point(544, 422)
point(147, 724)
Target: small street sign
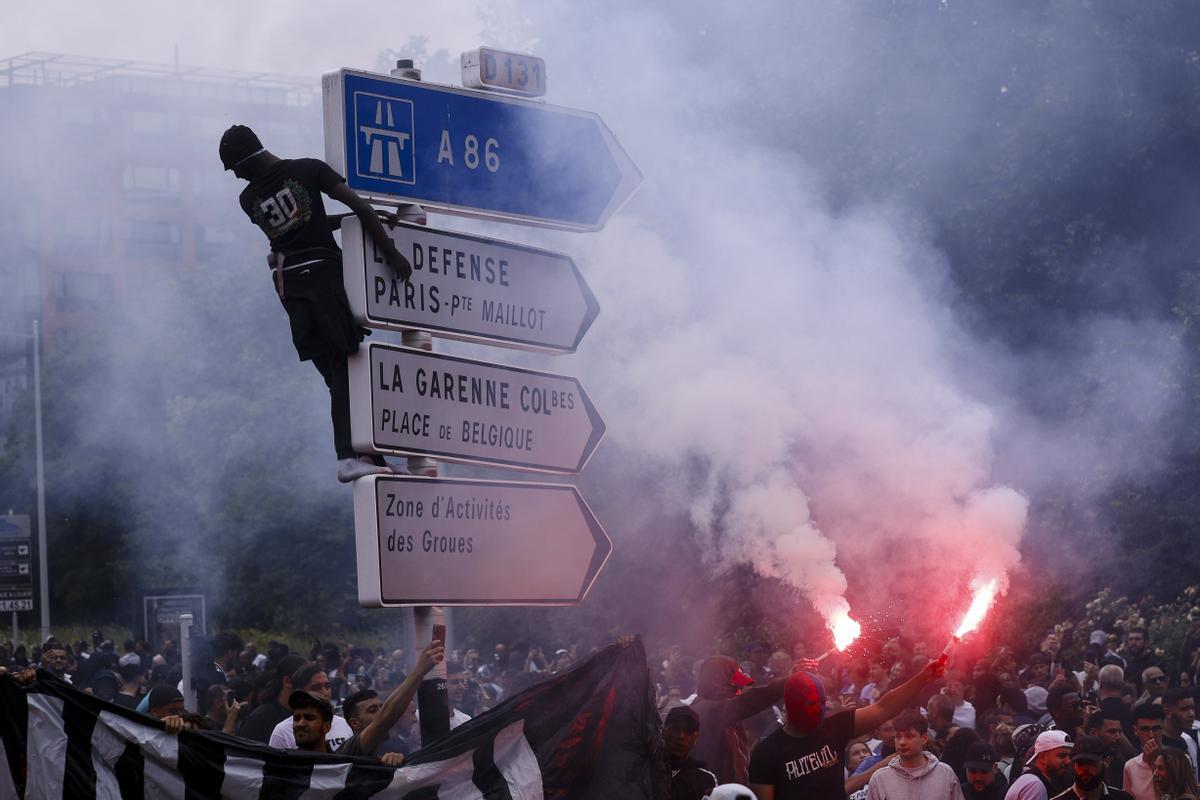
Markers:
point(444, 541)
point(16, 569)
point(488, 68)
point(412, 402)
point(469, 287)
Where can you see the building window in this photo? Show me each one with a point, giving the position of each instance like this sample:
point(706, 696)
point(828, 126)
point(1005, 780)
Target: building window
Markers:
point(76, 292)
point(82, 235)
point(146, 181)
point(213, 183)
point(151, 123)
point(149, 238)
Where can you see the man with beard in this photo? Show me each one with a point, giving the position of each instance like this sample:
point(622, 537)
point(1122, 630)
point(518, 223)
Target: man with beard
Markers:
point(1117, 748)
point(1088, 758)
point(803, 759)
point(311, 679)
point(984, 781)
point(1179, 708)
point(1139, 656)
point(689, 779)
point(1049, 763)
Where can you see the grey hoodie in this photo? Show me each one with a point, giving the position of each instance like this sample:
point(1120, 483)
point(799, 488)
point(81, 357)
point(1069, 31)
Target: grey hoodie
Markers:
point(931, 781)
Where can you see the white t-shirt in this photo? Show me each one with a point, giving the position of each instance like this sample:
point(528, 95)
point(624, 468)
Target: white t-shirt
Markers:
point(284, 737)
point(964, 715)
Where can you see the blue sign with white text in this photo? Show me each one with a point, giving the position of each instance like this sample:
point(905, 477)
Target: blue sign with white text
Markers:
point(474, 153)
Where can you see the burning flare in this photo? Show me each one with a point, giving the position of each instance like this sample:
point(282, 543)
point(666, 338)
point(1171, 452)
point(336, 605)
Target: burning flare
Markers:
point(980, 603)
point(844, 629)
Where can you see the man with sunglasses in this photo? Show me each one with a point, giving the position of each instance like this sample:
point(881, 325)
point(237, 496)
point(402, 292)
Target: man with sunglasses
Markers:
point(311, 678)
point(1154, 683)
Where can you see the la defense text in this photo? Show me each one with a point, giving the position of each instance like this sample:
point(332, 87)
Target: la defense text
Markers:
point(460, 265)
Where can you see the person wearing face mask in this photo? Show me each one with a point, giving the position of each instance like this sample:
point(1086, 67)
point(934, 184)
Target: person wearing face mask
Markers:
point(803, 759)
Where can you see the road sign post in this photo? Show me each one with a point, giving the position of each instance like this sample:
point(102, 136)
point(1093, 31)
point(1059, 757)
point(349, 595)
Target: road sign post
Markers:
point(460, 541)
point(475, 153)
point(469, 287)
point(16, 564)
point(398, 140)
point(406, 401)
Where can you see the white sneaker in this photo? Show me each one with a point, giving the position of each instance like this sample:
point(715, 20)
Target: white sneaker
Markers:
point(351, 469)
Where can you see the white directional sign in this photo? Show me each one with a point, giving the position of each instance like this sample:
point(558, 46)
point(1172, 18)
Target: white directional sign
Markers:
point(469, 287)
point(441, 541)
point(413, 402)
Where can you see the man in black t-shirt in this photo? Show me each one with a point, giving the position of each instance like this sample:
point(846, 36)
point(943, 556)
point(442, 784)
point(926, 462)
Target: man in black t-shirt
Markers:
point(803, 760)
point(284, 200)
point(689, 779)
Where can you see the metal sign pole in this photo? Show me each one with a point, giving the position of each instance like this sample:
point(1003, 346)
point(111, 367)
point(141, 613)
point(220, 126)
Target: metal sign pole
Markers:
point(185, 653)
point(43, 550)
point(433, 702)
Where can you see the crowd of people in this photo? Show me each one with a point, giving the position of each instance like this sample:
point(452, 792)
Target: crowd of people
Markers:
point(359, 700)
point(1112, 717)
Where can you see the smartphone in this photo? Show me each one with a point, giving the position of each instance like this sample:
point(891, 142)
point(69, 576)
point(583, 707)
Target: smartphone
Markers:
point(439, 634)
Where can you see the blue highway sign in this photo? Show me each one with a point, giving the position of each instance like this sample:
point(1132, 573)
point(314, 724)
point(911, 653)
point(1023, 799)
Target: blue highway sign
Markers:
point(474, 153)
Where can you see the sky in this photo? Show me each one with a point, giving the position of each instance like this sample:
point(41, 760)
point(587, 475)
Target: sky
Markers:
point(278, 36)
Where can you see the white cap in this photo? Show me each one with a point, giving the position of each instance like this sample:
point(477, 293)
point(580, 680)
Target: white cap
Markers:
point(731, 791)
point(1049, 740)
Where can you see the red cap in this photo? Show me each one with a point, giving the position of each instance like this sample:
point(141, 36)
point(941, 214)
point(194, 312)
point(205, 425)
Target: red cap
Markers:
point(740, 678)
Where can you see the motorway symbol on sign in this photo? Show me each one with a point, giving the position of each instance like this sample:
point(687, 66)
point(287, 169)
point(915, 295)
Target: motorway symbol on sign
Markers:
point(474, 153)
point(469, 287)
point(413, 402)
point(442, 541)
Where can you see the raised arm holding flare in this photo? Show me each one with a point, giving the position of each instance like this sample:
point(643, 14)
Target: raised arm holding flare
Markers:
point(803, 760)
point(370, 730)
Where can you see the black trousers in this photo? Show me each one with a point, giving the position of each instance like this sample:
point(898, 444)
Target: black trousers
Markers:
point(332, 366)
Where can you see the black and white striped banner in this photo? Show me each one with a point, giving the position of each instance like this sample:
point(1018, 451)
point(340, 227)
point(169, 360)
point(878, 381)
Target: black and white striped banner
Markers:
point(589, 733)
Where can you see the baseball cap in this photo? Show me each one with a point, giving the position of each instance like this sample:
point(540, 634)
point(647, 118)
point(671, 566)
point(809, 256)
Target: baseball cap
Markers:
point(1098, 637)
point(302, 699)
point(1049, 740)
point(684, 716)
point(980, 756)
point(1039, 658)
point(162, 695)
point(1035, 697)
point(1089, 748)
point(237, 144)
